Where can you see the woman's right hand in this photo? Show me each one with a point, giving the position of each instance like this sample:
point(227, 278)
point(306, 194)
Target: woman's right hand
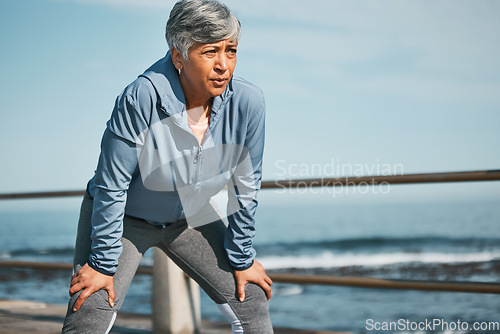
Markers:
point(90, 281)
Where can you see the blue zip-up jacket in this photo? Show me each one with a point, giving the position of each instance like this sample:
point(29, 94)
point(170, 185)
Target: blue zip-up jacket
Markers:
point(151, 165)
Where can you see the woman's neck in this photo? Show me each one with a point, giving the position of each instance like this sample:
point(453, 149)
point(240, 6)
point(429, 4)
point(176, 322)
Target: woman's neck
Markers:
point(198, 120)
point(194, 98)
point(199, 113)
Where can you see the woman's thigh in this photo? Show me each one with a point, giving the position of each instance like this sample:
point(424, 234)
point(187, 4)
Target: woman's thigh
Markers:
point(96, 315)
point(200, 253)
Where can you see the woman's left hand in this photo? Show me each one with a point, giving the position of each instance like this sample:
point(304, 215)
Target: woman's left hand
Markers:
point(254, 274)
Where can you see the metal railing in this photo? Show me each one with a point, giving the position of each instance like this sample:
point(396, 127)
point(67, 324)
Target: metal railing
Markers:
point(352, 281)
point(469, 176)
point(365, 282)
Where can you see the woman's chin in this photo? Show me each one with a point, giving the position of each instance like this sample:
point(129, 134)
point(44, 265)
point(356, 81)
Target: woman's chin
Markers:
point(216, 91)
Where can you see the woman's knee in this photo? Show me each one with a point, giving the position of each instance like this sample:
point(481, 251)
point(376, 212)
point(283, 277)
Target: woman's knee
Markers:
point(94, 316)
point(253, 312)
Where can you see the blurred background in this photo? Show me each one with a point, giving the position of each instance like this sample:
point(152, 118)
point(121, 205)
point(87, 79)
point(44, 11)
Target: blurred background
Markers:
point(364, 86)
point(352, 88)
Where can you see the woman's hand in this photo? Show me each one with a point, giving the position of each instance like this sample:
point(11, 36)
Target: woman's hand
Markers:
point(255, 274)
point(91, 281)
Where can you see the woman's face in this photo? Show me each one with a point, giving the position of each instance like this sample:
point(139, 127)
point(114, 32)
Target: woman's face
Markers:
point(207, 71)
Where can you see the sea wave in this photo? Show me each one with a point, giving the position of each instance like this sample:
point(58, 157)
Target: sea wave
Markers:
point(333, 260)
point(383, 244)
point(366, 252)
point(64, 251)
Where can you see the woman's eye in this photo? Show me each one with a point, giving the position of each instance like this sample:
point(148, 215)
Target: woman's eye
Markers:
point(232, 51)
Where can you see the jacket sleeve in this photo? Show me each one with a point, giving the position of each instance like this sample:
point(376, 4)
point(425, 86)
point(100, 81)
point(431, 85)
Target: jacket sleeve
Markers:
point(242, 192)
point(118, 160)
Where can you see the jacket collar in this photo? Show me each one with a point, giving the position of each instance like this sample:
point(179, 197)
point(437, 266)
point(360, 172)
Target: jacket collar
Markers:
point(165, 81)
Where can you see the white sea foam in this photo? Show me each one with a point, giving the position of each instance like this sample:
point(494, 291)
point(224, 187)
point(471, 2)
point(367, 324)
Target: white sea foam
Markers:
point(288, 290)
point(5, 255)
point(331, 260)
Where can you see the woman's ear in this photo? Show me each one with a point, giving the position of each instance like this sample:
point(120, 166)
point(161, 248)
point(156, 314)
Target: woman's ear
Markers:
point(177, 58)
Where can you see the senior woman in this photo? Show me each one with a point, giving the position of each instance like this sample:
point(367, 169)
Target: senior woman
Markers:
point(179, 134)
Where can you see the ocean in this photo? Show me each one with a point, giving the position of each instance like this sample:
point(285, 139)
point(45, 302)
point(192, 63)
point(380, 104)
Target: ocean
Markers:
point(448, 241)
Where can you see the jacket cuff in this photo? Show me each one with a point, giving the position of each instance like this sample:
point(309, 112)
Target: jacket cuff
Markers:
point(101, 270)
point(243, 267)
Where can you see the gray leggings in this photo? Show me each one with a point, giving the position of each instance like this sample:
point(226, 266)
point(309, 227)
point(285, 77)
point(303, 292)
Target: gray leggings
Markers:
point(199, 252)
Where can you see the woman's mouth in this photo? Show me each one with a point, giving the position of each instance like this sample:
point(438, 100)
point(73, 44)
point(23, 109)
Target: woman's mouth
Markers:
point(219, 82)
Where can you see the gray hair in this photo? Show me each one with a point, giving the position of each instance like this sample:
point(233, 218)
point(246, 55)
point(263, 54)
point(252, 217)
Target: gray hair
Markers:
point(201, 21)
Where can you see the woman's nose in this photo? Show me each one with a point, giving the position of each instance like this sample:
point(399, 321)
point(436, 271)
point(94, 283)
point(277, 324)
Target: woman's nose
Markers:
point(221, 64)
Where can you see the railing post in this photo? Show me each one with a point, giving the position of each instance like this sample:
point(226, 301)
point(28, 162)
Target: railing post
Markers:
point(175, 297)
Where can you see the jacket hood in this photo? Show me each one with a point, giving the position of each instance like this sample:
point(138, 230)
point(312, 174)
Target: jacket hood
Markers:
point(165, 80)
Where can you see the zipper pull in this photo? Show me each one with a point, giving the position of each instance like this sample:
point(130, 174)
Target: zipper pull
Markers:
point(198, 156)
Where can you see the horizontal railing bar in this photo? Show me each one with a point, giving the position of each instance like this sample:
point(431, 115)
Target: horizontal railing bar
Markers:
point(380, 283)
point(361, 282)
point(43, 194)
point(484, 175)
point(146, 270)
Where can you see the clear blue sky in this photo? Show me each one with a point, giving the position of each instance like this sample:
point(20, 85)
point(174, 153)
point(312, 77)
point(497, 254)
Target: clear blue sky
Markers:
point(366, 84)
